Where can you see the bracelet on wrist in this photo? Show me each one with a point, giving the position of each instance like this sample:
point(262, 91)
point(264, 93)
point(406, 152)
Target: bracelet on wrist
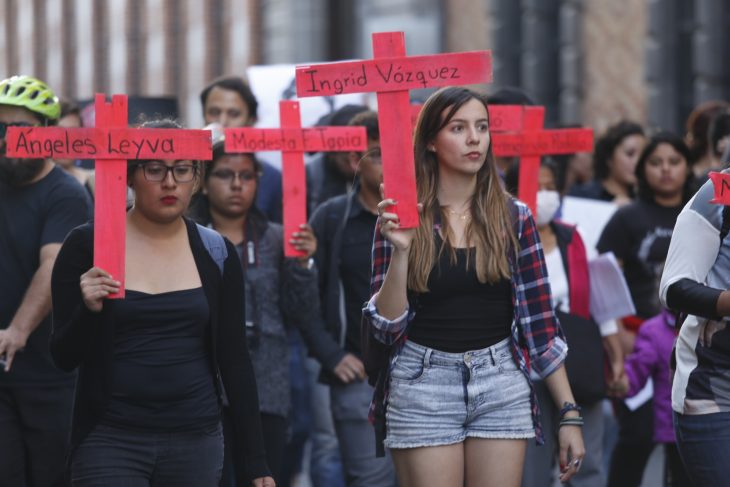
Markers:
point(575, 421)
point(567, 407)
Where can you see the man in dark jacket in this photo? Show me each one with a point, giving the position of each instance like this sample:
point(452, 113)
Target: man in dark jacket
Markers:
point(344, 227)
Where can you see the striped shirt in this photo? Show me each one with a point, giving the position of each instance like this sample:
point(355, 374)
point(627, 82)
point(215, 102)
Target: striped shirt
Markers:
point(537, 341)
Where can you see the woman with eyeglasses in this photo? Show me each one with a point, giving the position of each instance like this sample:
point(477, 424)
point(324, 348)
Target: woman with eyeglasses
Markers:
point(153, 365)
point(279, 291)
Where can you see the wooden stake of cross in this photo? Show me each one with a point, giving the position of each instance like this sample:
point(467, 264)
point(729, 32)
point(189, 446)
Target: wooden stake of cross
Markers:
point(534, 142)
point(391, 74)
point(111, 143)
point(293, 141)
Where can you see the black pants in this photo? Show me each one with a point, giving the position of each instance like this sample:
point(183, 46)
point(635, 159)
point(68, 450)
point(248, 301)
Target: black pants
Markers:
point(634, 446)
point(116, 457)
point(274, 429)
point(34, 432)
point(675, 475)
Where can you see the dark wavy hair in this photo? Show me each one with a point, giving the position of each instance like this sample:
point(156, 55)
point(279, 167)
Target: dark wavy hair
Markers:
point(646, 192)
point(607, 144)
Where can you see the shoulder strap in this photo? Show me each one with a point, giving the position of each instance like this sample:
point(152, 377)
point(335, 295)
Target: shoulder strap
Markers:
point(725, 229)
point(214, 244)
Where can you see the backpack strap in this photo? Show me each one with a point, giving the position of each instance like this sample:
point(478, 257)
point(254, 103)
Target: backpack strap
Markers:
point(725, 229)
point(214, 244)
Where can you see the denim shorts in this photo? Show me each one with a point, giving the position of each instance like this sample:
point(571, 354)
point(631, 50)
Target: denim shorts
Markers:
point(438, 398)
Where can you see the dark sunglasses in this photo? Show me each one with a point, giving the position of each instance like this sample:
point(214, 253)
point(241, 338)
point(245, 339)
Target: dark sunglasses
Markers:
point(4, 127)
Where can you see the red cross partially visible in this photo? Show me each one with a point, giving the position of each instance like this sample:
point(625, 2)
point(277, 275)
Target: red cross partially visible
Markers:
point(532, 142)
point(391, 74)
point(293, 141)
point(111, 143)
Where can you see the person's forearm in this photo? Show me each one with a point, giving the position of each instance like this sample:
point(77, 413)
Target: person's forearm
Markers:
point(698, 299)
point(392, 299)
point(36, 303)
point(557, 384)
point(723, 304)
point(612, 345)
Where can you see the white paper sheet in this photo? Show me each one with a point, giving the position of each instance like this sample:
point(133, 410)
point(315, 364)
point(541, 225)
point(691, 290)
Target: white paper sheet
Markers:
point(589, 215)
point(639, 399)
point(610, 296)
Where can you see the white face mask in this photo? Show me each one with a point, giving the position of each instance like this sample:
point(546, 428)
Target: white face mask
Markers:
point(548, 203)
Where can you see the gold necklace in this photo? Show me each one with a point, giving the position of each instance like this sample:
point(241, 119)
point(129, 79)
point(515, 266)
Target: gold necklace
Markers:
point(462, 216)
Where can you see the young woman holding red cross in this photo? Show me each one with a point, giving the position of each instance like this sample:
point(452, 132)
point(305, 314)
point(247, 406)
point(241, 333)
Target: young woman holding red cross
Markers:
point(464, 301)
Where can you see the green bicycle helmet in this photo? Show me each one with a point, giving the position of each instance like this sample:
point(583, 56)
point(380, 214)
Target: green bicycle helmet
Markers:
point(31, 93)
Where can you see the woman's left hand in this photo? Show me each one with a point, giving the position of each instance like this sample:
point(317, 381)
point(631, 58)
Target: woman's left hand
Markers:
point(305, 241)
point(263, 482)
point(572, 451)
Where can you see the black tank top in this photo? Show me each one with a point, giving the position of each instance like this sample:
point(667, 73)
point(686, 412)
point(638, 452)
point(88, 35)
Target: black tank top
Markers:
point(161, 372)
point(459, 313)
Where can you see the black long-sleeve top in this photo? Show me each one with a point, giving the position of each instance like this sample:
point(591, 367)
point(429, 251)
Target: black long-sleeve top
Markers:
point(83, 339)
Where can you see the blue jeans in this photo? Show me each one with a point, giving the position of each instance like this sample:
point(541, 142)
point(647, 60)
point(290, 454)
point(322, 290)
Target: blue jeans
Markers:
point(350, 405)
point(703, 441)
point(117, 457)
point(326, 463)
point(300, 419)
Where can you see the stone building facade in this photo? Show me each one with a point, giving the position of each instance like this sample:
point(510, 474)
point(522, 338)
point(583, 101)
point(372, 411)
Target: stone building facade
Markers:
point(589, 62)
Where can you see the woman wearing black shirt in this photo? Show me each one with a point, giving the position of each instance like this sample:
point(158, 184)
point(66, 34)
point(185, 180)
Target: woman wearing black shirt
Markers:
point(152, 366)
point(639, 235)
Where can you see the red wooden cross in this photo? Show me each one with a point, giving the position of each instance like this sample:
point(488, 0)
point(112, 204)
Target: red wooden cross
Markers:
point(293, 141)
point(532, 143)
point(502, 118)
point(391, 74)
point(111, 143)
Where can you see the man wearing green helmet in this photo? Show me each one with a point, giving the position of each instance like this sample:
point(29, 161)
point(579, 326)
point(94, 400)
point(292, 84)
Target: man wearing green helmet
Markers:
point(39, 205)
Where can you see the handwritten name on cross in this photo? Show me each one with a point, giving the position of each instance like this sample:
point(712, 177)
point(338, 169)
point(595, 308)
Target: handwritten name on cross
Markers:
point(532, 143)
point(112, 144)
point(391, 74)
point(293, 141)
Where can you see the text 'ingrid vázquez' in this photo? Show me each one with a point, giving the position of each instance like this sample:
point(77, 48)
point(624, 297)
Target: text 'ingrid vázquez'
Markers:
point(97, 143)
point(393, 74)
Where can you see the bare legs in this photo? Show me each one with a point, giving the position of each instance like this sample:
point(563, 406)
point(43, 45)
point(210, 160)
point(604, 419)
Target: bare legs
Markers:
point(474, 463)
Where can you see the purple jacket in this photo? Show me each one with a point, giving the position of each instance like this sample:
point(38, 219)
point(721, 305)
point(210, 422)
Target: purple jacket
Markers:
point(650, 358)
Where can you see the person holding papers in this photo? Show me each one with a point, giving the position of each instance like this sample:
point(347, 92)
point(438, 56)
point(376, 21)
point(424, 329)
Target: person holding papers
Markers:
point(639, 235)
point(464, 302)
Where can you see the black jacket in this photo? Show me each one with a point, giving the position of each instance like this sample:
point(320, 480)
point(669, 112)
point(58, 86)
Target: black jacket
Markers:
point(83, 339)
point(328, 224)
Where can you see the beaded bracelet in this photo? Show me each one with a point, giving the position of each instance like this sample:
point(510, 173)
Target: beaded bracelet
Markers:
point(569, 406)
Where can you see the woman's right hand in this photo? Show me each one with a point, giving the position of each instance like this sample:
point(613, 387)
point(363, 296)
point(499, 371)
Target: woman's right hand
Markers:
point(97, 284)
point(401, 238)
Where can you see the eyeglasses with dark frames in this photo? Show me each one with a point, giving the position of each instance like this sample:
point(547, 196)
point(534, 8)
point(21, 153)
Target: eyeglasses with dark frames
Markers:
point(156, 171)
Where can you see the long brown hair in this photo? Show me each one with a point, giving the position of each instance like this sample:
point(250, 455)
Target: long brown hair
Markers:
point(490, 227)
